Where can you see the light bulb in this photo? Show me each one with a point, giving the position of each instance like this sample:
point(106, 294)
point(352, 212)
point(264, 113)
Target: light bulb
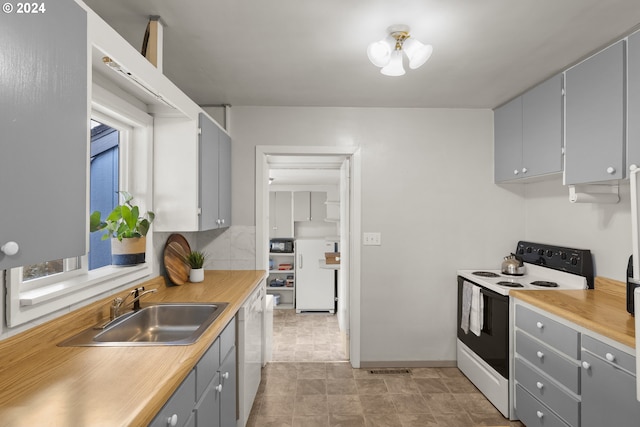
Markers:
point(394, 68)
point(417, 52)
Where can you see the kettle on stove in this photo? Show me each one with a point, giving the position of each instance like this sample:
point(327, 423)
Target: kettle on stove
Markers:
point(513, 265)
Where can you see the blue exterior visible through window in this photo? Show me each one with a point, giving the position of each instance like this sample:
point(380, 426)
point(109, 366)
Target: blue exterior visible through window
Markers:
point(104, 188)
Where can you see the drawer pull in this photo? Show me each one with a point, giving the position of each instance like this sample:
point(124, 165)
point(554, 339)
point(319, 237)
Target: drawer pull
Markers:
point(539, 385)
point(610, 357)
point(225, 375)
point(539, 414)
point(539, 325)
point(586, 365)
point(219, 388)
point(540, 354)
point(172, 421)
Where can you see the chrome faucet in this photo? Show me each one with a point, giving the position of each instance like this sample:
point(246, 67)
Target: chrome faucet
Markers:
point(118, 303)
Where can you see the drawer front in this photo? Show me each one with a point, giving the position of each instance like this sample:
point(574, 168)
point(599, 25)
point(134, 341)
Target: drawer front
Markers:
point(228, 338)
point(546, 391)
point(180, 404)
point(533, 413)
point(557, 335)
point(541, 356)
point(612, 355)
point(207, 367)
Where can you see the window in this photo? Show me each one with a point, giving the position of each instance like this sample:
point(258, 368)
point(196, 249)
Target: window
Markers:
point(120, 137)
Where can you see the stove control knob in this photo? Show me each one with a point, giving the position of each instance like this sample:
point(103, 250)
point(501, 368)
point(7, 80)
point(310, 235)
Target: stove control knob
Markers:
point(529, 249)
point(574, 261)
point(540, 251)
point(549, 253)
point(563, 255)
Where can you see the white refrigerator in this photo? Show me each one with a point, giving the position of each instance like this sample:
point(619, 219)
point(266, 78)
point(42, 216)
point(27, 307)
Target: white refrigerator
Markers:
point(315, 286)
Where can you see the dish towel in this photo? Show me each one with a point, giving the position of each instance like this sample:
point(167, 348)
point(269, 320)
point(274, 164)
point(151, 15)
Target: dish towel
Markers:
point(477, 311)
point(467, 293)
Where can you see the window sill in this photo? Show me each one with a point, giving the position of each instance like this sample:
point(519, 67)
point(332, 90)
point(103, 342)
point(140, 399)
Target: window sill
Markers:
point(27, 306)
point(73, 285)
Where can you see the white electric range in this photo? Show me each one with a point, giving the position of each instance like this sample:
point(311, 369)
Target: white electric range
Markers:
point(484, 357)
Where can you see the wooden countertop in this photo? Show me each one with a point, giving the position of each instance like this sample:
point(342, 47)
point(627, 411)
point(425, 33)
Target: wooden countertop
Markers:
point(43, 384)
point(602, 310)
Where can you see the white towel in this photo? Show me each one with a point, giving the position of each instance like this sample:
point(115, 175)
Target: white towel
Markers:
point(476, 315)
point(467, 290)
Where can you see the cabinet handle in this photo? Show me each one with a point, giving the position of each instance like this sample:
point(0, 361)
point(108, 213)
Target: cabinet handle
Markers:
point(225, 375)
point(611, 170)
point(610, 357)
point(10, 248)
point(172, 421)
point(219, 388)
point(222, 220)
point(540, 354)
point(586, 365)
point(539, 385)
point(539, 414)
point(539, 325)
point(516, 171)
point(524, 170)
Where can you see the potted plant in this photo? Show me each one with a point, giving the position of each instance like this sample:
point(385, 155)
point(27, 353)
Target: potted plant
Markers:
point(195, 260)
point(127, 229)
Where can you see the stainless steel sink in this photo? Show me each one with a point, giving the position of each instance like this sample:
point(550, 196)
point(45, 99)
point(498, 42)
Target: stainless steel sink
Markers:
point(158, 324)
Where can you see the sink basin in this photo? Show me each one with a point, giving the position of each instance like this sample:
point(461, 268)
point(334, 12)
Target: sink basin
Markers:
point(159, 324)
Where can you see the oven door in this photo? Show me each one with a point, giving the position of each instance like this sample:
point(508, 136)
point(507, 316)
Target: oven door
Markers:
point(492, 345)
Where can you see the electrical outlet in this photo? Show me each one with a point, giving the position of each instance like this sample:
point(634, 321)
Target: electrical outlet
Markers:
point(371, 239)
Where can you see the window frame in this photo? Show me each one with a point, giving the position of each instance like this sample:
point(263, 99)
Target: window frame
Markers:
point(62, 291)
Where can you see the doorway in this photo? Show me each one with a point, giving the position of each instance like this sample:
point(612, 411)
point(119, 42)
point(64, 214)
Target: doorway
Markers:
point(345, 164)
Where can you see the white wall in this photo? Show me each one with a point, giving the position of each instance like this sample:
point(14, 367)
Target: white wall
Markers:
point(603, 229)
point(427, 186)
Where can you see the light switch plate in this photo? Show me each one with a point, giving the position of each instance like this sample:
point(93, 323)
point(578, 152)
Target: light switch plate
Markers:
point(371, 239)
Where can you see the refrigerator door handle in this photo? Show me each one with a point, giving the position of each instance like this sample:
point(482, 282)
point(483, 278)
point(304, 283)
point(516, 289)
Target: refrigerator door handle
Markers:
point(300, 261)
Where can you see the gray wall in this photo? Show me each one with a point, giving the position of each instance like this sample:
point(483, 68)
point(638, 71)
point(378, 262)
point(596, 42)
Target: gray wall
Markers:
point(427, 186)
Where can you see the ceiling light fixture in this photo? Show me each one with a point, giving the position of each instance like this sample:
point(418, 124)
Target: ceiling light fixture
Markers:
point(387, 53)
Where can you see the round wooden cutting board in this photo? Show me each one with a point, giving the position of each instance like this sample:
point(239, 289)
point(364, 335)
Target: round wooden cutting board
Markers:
point(175, 251)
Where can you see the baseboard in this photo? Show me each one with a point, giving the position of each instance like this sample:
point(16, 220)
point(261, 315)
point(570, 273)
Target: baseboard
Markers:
point(409, 364)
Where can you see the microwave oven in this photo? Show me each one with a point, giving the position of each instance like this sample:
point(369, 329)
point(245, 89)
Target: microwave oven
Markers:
point(281, 245)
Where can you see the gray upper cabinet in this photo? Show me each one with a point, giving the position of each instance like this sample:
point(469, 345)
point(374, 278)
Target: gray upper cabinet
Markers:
point(309, 205)
point(594, 117)
point(633, 100)
point(44, 120)
point(280, 214)
point(215, 176)
point(528, 133)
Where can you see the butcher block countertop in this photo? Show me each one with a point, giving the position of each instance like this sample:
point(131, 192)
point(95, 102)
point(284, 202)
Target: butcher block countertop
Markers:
point(43, 384)
point(602, 310)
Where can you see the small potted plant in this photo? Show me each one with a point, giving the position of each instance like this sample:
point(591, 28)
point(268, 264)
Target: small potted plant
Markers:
point(195, 260)
point(127, 229)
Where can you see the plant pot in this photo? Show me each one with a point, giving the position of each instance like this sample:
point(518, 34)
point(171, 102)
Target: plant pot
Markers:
point(127, 252)
point(196, 275)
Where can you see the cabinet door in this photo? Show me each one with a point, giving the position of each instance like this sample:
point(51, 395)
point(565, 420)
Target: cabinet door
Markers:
point(302, 206)
point(282, 218)
point(633, 100)
point(224, 179)
point(542, 128)
point(45, 126)
point(594, 120)
point(318, 207)
point(208, 409)
point(228, 393)
point(209, 182)
point(507, 123)
point(608, 394)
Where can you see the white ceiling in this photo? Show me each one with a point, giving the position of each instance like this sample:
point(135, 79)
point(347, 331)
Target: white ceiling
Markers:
point(313, 53)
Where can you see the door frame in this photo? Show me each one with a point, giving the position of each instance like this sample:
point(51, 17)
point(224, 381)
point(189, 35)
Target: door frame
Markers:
point(353, 227)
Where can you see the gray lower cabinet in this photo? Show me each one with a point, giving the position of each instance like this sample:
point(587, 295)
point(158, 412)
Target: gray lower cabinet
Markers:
point(546, 370)
point(207, 397)
point(528, 133)
point(608, 386)
point(215, 175)
point(633, 100)
point(594, 117)
point(45, 126)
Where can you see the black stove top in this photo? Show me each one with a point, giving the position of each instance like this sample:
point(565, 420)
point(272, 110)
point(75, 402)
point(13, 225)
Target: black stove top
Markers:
point(485, 274)
point(544, 284)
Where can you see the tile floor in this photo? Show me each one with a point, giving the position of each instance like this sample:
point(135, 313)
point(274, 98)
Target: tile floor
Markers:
point(309, 384)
